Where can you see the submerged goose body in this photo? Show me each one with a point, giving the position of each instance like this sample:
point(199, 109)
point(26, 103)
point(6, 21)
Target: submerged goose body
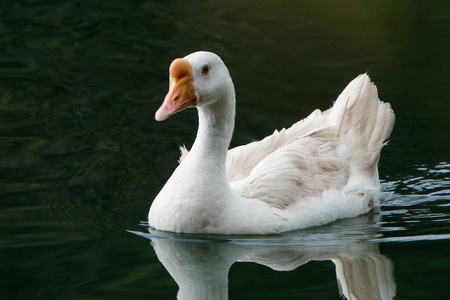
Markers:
point(321, 169)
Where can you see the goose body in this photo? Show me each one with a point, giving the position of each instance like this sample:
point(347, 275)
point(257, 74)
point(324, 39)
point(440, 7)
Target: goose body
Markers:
point(321, 169)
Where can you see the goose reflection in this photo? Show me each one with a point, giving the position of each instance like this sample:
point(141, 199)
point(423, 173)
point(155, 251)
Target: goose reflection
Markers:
point(200, 264)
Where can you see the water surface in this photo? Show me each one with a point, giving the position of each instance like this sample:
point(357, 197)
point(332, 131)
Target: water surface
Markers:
point(82, 158)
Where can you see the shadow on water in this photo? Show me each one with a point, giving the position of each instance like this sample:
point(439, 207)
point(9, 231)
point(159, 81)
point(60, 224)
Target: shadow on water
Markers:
point(200, 264)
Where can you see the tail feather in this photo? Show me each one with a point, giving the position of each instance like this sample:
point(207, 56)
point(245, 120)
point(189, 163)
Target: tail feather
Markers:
point(364, 124)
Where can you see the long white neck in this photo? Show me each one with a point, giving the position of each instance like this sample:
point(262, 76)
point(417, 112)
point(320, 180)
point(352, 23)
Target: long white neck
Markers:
point(216, 124)
point(199, 190)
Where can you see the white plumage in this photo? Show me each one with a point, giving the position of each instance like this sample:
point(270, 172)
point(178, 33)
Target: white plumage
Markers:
point(321, 169)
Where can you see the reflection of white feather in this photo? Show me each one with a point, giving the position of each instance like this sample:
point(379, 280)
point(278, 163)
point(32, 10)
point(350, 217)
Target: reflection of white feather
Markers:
point(201, 269)
point(320, 169)
point(369, 277)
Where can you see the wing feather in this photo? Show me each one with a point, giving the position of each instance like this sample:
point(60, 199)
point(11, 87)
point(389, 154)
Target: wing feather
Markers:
point(243, 159)
point(303, 168)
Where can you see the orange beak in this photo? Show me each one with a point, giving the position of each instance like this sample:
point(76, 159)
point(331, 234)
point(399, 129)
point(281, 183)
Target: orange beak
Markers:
point(181, 93)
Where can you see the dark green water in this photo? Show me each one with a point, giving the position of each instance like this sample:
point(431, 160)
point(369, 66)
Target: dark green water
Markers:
point(81, 156)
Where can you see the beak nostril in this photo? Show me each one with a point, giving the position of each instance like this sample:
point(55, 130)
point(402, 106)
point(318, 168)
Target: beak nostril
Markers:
point(176, 98)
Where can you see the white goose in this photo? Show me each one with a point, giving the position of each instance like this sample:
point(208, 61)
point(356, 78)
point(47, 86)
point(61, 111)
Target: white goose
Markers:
point(321, 169)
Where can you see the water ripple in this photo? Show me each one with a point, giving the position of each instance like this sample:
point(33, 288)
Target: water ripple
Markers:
point(433, 184)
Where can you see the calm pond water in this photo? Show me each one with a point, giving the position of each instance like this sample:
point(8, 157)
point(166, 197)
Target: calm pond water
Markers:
point(82, 158)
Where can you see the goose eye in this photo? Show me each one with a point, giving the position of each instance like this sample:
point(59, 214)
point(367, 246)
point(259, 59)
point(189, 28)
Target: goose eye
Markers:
point(205, 70)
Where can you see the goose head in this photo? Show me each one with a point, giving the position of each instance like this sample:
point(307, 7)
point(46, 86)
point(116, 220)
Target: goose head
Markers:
point(197, 80)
